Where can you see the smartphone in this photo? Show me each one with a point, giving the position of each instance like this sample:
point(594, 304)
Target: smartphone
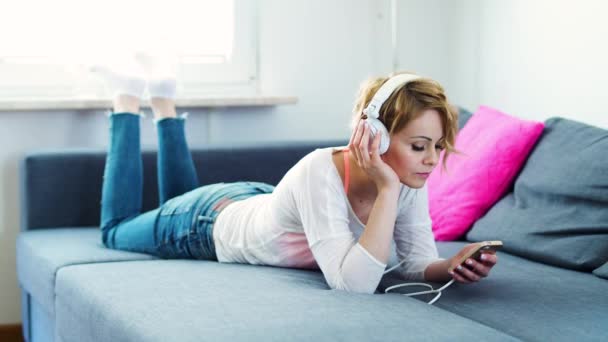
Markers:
point(474, 253)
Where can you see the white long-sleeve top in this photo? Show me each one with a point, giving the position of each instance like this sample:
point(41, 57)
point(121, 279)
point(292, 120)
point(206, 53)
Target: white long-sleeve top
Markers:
point(308, 222)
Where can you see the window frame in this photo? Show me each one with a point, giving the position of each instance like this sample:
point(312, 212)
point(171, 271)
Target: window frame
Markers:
point(40, 78)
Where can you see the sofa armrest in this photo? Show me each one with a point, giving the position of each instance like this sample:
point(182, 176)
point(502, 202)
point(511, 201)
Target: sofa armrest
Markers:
point(61, 188)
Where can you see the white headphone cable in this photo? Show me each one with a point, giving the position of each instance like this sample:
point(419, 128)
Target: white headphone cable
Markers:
point(438, 291)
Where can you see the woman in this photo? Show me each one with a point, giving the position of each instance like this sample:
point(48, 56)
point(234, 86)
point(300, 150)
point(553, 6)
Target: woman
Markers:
point(343, 210)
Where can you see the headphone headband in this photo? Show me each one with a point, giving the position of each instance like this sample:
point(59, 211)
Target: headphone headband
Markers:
point(373, 108)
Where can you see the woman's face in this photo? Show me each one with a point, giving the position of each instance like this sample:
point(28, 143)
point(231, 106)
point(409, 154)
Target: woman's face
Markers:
point(414, 151)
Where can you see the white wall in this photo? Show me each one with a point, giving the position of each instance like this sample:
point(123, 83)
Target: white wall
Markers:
point(309, 49)
point(440, 39)
point(545, 58)
point(533, 59)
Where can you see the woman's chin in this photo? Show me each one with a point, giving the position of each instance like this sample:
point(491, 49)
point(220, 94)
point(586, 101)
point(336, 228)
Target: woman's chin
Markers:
point(413, 183)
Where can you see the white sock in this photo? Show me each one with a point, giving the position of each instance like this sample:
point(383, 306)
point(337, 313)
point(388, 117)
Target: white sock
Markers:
point(122, 78)
point(161, 72)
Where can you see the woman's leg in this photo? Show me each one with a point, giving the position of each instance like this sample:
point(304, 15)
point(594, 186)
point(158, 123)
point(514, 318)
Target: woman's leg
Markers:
point(176, 170)
point(162, 231)
point(122, 225)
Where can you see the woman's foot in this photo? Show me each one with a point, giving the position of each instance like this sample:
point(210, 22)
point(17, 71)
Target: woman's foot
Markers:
point(122, 78)
point(126, 82)
point(161, 74)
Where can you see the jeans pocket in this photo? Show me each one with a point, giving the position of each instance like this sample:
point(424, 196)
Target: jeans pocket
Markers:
point(172, 207)
point(180, 204)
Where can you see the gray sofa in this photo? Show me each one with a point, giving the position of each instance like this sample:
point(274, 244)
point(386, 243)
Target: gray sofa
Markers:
point(547, 286)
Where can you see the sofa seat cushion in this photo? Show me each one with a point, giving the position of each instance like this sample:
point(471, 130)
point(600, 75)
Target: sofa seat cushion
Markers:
point(41, 252)
point(530, 300)
point(193, 300)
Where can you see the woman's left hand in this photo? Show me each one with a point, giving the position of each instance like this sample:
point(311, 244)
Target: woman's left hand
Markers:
point(473, 270)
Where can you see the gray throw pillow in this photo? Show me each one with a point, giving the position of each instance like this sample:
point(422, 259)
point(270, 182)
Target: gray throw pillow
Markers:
point(557, 211)
point(463, 116)
point(602, 272)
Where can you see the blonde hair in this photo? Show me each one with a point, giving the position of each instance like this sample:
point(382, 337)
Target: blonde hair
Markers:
point(407, 103)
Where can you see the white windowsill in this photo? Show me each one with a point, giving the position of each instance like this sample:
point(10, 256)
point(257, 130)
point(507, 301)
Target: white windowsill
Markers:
point(202, 102)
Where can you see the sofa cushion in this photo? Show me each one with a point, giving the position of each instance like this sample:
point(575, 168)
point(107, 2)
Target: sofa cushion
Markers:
point(42, 252)
point(556, 213)
point(527, 299)
point(190, 300)
point(494, 146)
point(463, 117)
point(602, 271)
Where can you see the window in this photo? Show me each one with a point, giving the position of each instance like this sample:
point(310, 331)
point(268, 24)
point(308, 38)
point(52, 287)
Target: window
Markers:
point(47, 45)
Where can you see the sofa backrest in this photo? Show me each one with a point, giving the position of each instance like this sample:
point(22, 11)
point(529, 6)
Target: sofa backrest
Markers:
point(63, 188)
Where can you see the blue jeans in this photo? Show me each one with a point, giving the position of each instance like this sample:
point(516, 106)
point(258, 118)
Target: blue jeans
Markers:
point(182, 227)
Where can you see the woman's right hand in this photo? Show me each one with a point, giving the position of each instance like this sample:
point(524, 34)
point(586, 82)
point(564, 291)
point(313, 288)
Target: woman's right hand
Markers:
point(472, 270)
point(370, 161)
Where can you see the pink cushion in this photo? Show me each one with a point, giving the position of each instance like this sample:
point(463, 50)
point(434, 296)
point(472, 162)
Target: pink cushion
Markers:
point(495, 146)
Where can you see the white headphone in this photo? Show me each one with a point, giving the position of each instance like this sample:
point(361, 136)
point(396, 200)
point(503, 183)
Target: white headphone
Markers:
point(373, 108)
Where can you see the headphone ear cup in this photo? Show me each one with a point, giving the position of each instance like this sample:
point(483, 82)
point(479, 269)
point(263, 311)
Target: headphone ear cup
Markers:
point(377, 127)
